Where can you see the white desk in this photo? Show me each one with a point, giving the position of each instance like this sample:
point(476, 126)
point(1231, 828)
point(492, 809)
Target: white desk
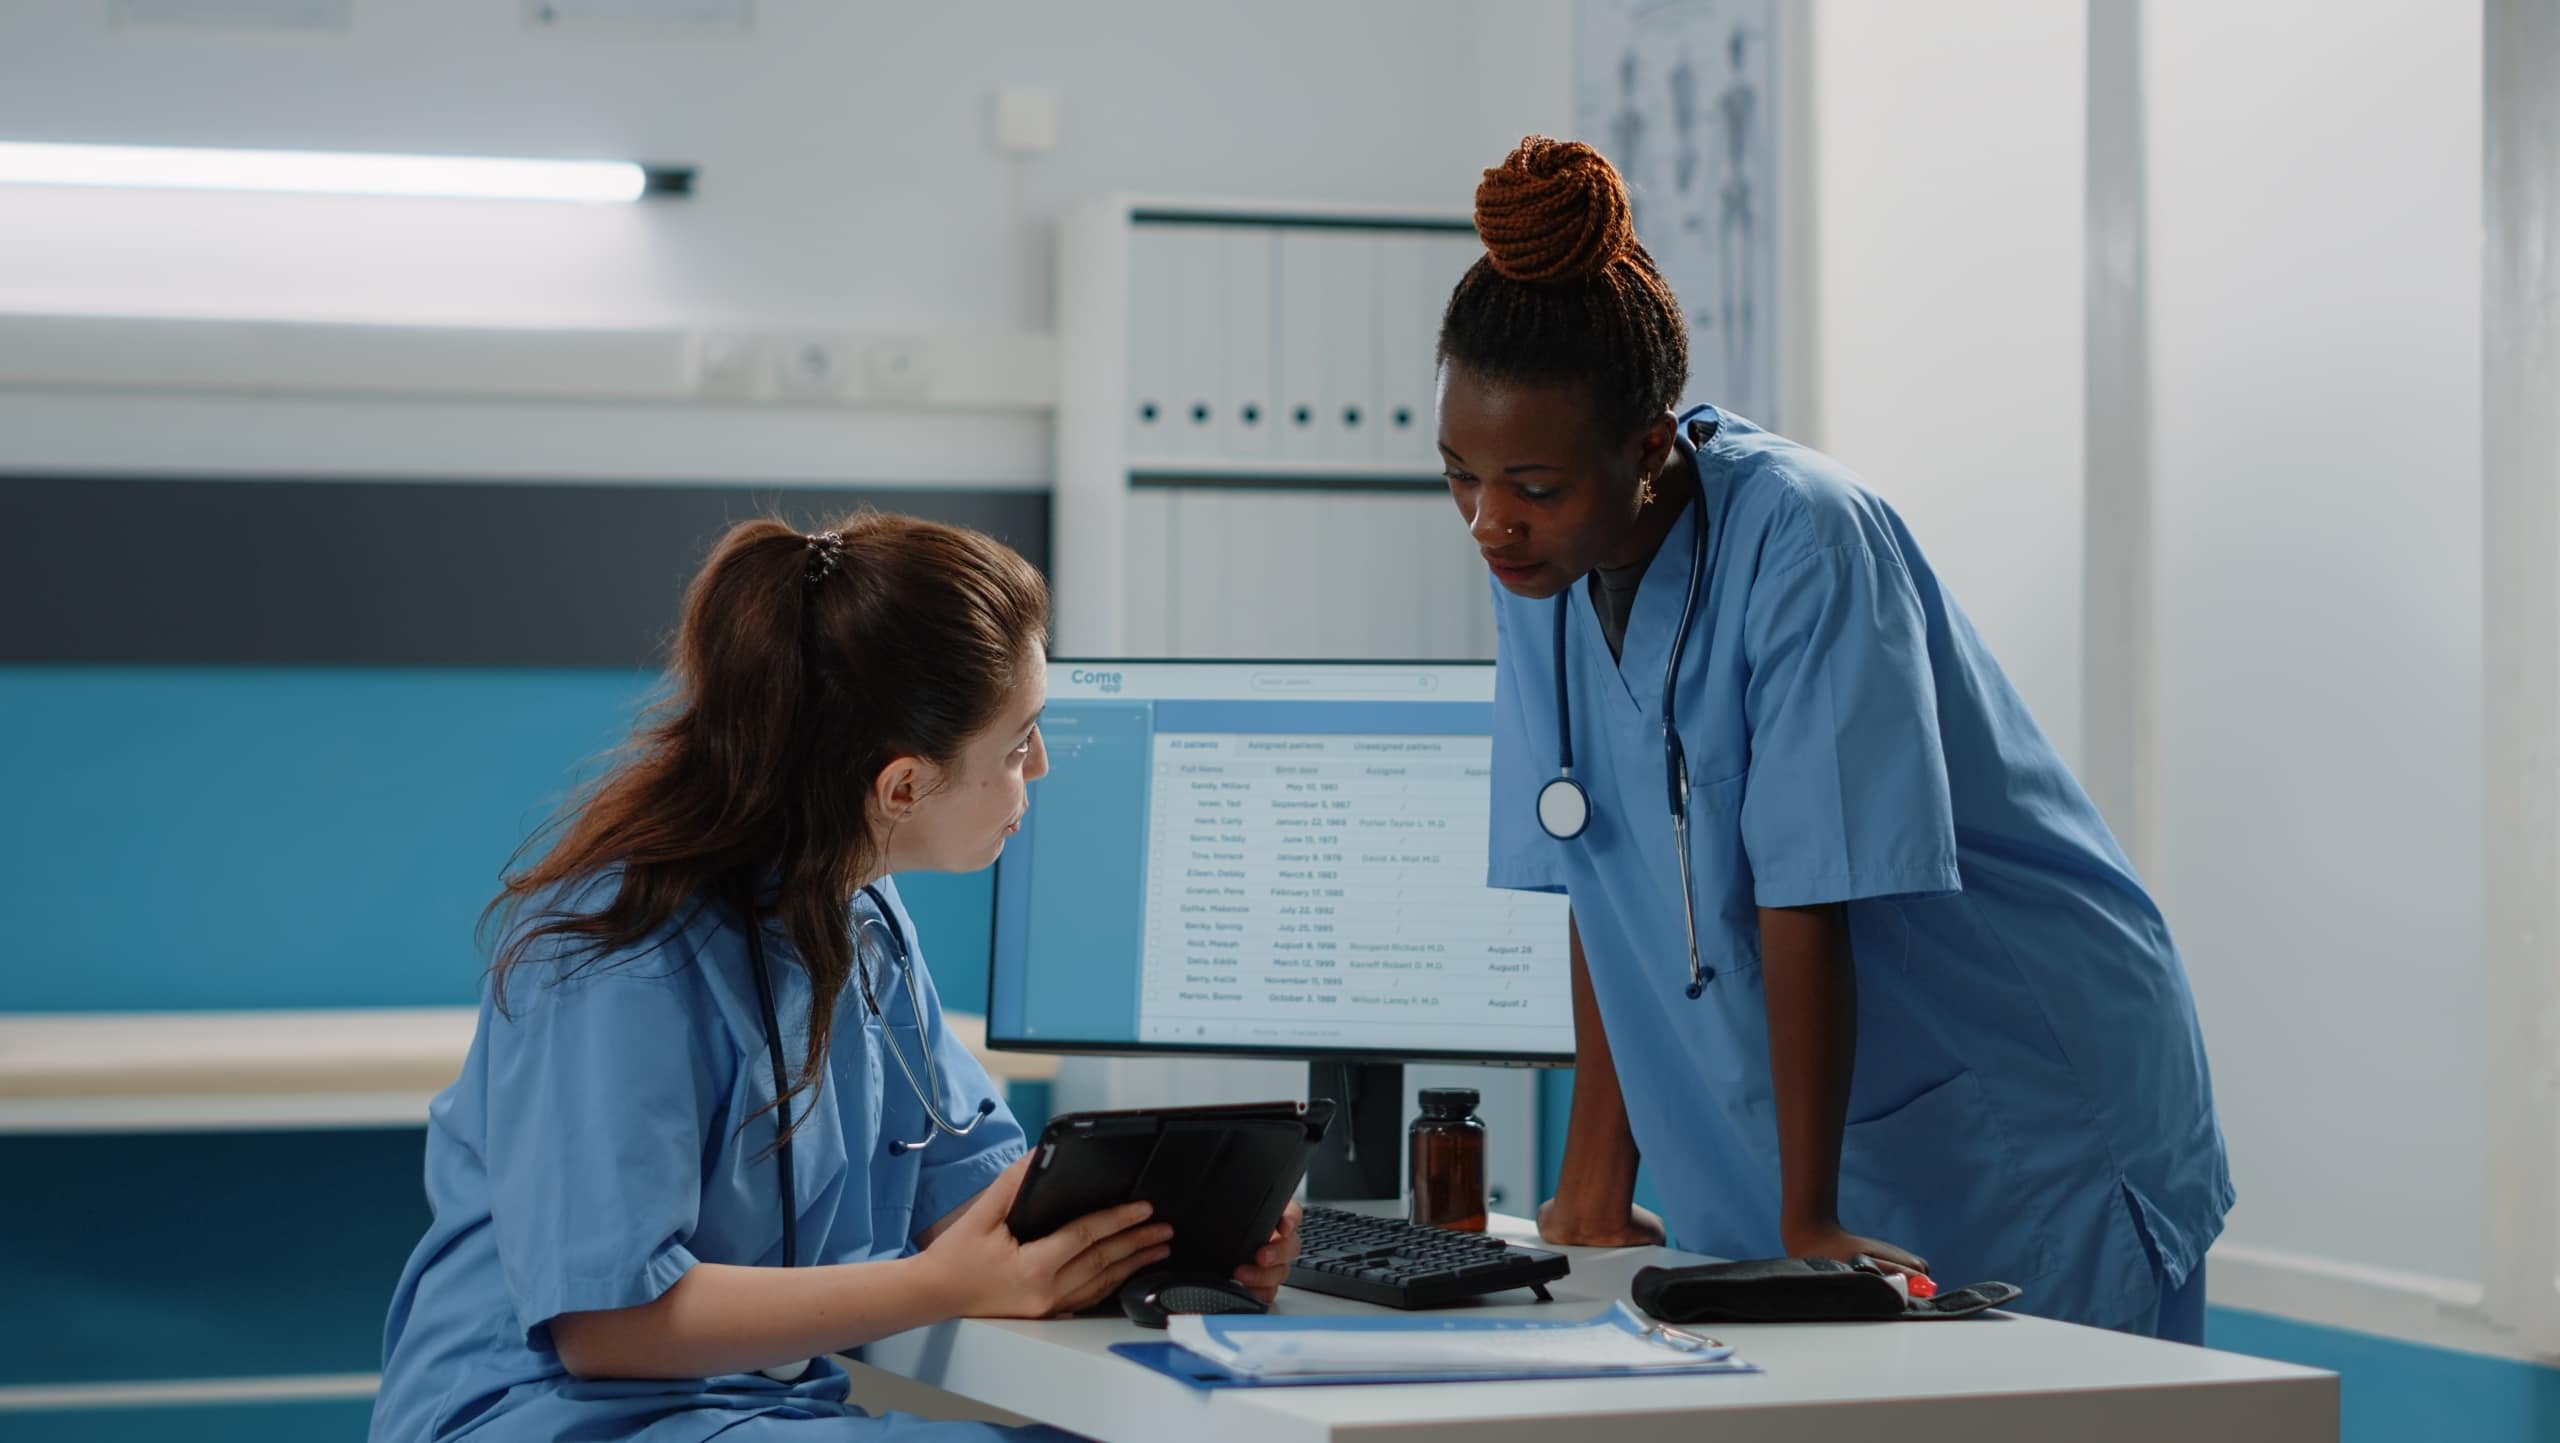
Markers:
point(1978, 1381)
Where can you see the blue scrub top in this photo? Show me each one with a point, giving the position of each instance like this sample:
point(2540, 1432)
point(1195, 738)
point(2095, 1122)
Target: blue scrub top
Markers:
point(2030, 1102)
point(592, 1151)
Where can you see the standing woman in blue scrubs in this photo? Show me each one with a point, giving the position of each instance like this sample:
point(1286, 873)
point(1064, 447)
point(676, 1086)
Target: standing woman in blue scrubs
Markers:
point(612, 1256)
point(1932, 1017)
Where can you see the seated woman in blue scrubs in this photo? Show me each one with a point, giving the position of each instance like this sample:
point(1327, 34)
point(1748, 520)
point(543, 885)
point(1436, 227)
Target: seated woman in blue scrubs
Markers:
point(611, 1254)
point(1934, 1016)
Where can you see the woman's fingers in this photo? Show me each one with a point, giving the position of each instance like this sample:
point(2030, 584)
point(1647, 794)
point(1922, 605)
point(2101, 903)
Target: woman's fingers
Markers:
point(1110, 1278)
point(1112, 1258)
point(1263, 1283)
point(1054, 1252)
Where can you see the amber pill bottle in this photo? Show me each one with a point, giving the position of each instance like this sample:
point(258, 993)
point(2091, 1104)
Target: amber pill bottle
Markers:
point(1447, 1156)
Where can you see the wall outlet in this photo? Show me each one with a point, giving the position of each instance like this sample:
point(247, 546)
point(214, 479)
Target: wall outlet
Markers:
point(728, 366)
point(898, 370)
point(809, 368)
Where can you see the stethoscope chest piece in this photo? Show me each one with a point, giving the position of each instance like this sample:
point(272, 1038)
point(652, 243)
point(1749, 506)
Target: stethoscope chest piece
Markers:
point(1564, 808)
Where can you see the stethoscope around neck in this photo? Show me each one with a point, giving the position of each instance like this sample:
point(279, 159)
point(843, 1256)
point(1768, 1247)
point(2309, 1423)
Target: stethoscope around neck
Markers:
point(883, 923)
point(927, 1086)
point(1564, 804)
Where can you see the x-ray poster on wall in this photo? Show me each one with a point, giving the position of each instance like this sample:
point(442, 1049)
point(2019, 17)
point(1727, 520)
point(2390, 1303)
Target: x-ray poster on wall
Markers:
point(1679, 94)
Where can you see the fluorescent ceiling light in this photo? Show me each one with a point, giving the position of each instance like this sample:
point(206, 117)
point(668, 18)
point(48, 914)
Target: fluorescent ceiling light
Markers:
point(323, 172)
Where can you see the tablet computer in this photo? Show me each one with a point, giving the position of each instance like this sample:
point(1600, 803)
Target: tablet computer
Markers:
point(1220, 1175)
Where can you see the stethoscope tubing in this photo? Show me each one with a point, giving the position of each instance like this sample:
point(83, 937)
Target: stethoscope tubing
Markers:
point(928, 1089)
point(1552, 803)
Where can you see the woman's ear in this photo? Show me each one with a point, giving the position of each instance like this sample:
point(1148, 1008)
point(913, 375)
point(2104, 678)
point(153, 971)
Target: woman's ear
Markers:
point(901, 785)
point(1653, 445)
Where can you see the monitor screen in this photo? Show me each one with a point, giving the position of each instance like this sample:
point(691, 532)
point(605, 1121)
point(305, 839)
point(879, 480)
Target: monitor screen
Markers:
point(1285, 858)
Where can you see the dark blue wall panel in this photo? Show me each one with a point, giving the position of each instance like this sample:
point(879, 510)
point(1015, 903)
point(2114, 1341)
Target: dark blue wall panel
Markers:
point(326, 1421)
point(202, 1254)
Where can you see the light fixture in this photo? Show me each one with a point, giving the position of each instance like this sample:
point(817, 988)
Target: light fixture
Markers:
point(329, 172)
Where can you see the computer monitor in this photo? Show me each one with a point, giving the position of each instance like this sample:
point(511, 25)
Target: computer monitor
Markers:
point(1276, 859)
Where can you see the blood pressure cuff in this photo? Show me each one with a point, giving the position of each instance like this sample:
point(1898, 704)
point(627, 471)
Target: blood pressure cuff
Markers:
point(1798, 1290)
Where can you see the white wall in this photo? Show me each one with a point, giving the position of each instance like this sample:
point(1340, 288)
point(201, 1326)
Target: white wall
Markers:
point(1949, 359)
point(846, 169)
point(847, 181)
point(2315, 244)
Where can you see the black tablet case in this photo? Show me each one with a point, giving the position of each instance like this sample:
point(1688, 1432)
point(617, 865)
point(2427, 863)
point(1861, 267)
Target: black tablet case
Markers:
point(1220, 1175)
point(1798, 1290)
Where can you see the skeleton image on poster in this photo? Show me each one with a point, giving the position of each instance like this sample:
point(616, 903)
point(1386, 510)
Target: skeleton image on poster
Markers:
point(1679, 95)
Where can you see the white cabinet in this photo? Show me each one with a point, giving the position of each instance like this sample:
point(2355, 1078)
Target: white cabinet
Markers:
point(1247, 463)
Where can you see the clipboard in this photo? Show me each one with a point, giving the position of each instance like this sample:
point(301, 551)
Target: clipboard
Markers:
point(1530, 1339)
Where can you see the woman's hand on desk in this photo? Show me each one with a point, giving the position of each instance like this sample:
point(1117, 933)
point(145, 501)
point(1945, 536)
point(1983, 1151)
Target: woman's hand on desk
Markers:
point(1270, 1267)
point(1830, 1240)
point(990, 1274)
point(1568, 1224)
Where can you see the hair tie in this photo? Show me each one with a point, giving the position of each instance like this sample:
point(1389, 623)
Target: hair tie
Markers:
point(826, 553)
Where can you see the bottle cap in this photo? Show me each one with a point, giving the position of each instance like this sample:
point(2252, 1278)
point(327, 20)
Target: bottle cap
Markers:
point(1449, 1101)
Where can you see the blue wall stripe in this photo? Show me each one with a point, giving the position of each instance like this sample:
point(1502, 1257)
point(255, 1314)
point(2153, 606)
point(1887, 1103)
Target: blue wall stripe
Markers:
point(181, 838)
point(229, 838)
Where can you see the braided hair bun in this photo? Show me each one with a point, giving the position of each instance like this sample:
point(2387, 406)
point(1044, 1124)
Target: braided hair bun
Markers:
point(1554, 210)
point(1565, 294)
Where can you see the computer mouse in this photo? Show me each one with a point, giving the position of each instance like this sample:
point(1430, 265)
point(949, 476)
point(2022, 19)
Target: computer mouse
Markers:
point(1151, 1298)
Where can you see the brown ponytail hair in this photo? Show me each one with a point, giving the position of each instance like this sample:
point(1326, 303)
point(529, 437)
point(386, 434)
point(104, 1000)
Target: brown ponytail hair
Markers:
point(1565, 293)
point(802, 666)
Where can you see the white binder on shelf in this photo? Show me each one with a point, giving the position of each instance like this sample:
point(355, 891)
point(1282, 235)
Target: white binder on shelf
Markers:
point(1446, 258)
point(1201, 591)
point(1351, 334)
point(1300, 353)
point(1149, 401)
point(1406, 339)
point(1247, 426)
point(1148, 581)
point(1198, 312)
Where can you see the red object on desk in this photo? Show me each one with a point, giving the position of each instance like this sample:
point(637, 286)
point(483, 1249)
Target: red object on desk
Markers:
point(1922, 1287)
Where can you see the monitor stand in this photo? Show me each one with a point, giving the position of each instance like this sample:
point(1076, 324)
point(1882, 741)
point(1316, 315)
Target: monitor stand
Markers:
point(1360, 1163)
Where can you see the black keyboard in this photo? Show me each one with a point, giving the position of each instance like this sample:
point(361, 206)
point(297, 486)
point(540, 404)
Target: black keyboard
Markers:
point(1393, 1263)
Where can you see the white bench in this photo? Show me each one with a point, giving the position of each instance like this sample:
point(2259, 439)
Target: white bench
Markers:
point(252, 1071)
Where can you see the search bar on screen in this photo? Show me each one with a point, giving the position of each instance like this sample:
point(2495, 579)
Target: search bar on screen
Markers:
point(1383, 682)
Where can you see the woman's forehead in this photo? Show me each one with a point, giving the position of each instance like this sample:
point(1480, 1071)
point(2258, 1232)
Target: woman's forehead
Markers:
point(1509, 421)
